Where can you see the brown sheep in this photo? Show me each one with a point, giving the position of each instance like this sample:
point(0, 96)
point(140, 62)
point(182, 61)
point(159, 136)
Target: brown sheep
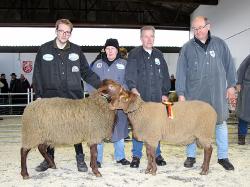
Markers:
point(58, 121)
point(193, 121)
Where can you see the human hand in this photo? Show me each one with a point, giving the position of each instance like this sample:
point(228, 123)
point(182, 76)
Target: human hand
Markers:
point(181, 98)
point(164, 98)
point(238, 87)
point(231, 96)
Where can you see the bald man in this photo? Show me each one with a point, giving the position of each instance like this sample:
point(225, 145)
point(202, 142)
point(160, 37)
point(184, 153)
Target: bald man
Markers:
point(206, 72)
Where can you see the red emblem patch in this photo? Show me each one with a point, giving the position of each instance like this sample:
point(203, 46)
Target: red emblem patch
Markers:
point(27, 66)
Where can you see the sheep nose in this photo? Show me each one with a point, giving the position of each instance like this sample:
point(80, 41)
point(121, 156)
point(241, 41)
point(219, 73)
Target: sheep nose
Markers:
point(108, 99)
point(106, 96)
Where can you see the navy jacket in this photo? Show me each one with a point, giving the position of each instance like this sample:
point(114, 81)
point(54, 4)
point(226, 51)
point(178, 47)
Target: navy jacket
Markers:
point(58, 73)
point(148, 74)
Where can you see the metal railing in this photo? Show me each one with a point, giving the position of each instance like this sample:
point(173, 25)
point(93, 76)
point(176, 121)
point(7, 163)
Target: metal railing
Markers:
point(13, 104)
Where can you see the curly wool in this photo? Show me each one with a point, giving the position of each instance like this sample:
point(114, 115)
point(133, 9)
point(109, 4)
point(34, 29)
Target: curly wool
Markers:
point(58, 121)
point(193, 121)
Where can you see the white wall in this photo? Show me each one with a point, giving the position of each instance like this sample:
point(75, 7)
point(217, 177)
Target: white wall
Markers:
point(11, 62)
point(228, 19)
point(171, 59)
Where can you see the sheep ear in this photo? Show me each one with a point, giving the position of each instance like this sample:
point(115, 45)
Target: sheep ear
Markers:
point(103, 89)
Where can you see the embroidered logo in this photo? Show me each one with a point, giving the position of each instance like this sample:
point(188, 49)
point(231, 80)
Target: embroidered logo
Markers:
point(75, 69)
point(120, 66)
point(157, 61)
point(48, 57)
point(99, 65)
point(73, 56)
point(212, 53)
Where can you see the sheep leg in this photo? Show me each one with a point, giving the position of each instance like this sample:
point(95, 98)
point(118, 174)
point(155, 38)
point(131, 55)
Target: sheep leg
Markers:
point(24, 172)
point(43, 150)
point(151, 160)
point(93, 164)
point(207, 156)
point(149, 166)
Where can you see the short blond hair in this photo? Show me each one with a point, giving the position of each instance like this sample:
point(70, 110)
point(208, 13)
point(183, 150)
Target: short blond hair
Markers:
point(147, 27)
point(64, 21)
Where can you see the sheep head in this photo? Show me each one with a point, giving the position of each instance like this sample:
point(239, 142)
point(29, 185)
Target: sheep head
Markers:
point(126, 100)
point(117, 96)
point(109, 89)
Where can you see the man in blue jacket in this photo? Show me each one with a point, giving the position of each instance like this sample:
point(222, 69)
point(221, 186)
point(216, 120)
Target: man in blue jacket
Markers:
point(147, 75)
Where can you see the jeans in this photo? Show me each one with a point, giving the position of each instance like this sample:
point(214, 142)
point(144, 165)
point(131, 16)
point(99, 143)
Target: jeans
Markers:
point(221, 133)
point(137, 148)
point(242, 127)
point(119, 152)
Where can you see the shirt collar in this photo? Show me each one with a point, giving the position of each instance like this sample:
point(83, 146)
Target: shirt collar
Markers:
point(203, 45)
point(67, 46)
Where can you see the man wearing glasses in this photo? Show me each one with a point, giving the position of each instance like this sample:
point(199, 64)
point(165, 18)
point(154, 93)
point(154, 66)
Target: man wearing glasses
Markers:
point(206, 72)
point(59, 67)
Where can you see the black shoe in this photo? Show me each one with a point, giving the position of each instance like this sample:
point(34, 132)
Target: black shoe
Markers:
point(99, 165)
point(127, 139)
point(241, 139)
point(160, 161)
point(123, 161)
point(189, 162)
point(43, 166)
point(226, 164)
point(81, 165)
point(135, 162)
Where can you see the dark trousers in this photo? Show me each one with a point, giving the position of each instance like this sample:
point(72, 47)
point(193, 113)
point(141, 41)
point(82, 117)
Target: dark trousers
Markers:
point(78, 150)
point(242, 127)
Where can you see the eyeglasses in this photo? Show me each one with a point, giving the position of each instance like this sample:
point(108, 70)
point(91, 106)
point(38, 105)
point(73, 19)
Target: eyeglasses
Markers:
point(67, 33)
point(199, 28)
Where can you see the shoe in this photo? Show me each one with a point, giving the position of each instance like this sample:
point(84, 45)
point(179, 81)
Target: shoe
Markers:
point(81, 165)
point(226, 164)
point(135, 162)
point(127, 139)
point(160, 161)
point(189, 162)
point(241, 139)
point(123, 161)
point(43, 166)
point(1, 118)
point(99, 165)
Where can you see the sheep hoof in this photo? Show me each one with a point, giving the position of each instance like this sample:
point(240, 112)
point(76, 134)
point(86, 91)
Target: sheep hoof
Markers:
point(98, 175)
point(147, 171)
point(153, 173)
point(25, 177)
point(204, 172)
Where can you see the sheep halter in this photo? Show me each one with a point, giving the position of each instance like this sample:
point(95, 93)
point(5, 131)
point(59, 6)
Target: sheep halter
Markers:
point(169, 109)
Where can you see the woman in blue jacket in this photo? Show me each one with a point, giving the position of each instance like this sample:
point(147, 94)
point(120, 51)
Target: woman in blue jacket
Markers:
point(112, 66)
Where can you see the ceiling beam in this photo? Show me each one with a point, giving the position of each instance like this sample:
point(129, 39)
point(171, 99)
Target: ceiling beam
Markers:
point(201, 2)
point(85, 49)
